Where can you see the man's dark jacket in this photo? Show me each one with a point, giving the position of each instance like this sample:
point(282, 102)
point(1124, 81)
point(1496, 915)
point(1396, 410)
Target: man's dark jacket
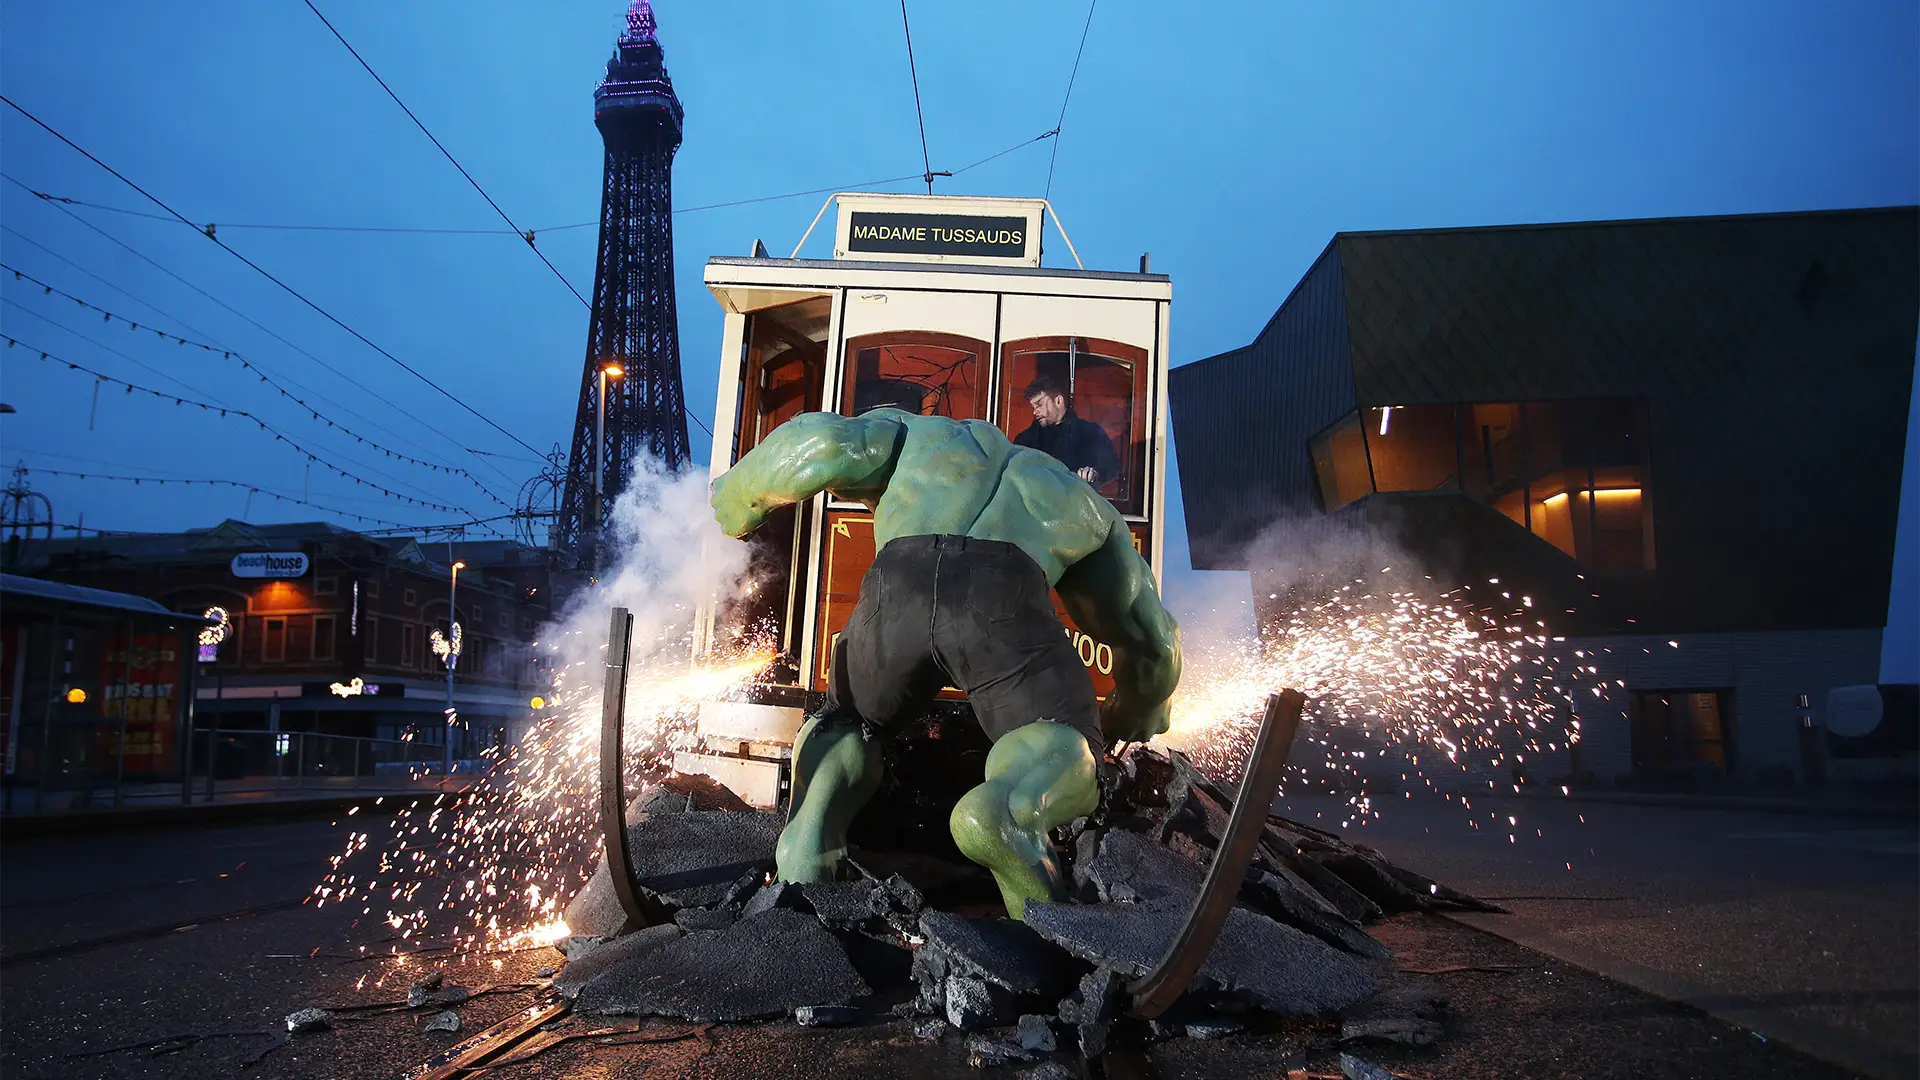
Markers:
point(1077, 443)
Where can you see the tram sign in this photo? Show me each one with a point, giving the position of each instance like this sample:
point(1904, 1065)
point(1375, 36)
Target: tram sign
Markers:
point(270, 564)
point(920, 228)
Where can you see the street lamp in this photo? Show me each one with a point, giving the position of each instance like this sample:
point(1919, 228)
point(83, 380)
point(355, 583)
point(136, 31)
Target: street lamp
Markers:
point(453, 656)
point(607, 371)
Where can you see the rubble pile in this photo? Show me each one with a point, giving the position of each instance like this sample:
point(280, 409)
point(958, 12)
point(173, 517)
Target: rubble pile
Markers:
point(744, 947)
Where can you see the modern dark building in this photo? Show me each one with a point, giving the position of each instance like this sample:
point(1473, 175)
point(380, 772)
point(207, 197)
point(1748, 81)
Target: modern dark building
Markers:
point(632, 405)
point(1681, 438)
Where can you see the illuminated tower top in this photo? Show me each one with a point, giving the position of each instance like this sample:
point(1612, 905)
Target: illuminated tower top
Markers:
point(637, 86)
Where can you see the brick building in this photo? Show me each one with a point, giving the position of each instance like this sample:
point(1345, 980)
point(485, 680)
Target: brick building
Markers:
point(331, 630)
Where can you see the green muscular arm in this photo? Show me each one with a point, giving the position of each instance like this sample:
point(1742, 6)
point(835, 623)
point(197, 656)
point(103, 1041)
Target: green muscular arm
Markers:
point(1111, 596)
point(811, 453)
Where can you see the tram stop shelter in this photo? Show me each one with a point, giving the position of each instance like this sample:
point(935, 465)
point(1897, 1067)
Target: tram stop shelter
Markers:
point(96, 693)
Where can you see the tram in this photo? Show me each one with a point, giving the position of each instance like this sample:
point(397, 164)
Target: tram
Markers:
point(936, 305)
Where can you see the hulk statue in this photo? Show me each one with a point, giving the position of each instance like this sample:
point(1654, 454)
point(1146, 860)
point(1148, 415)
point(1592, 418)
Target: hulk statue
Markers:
point(971, 532)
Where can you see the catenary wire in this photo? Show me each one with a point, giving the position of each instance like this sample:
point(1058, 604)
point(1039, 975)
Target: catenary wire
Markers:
point(280, 436)
point(1055, 156)
point(250, 488)
point(164, 474)
point(925, 161)
point(447, 154)
point(246, 365)
point(257, 268)
point(213, 399)
point(242, 316)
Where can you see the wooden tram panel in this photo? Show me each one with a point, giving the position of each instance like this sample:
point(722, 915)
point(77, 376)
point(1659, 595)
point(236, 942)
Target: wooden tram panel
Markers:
point(939, 333)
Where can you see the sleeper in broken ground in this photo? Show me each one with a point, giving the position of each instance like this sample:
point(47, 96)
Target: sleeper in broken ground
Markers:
point(972, 532)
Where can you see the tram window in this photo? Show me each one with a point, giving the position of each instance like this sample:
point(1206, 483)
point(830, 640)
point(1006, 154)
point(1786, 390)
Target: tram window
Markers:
point(917, 371)
point(1084, 401)
point(786, 366)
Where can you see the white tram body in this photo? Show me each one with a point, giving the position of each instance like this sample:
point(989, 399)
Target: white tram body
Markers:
point(933, 304)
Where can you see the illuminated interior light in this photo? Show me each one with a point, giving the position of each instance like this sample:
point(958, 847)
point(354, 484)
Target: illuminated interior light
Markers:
point(1386, 415)
point(76, 696)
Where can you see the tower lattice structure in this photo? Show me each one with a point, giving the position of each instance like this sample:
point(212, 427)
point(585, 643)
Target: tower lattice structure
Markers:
point(633, 324)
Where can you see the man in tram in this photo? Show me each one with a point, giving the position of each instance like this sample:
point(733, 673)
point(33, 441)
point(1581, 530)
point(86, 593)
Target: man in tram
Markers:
point(1081, 444)
point(972, 532)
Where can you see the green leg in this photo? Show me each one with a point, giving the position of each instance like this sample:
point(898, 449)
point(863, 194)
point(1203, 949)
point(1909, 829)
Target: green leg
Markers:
point(1038, 778)
point(835, 772)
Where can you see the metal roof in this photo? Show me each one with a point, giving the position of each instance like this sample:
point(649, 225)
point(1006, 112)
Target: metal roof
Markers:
point(55, 592)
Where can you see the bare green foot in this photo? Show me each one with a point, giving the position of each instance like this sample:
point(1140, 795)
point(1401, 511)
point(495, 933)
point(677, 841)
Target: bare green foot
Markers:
point(835, 772)
point(1038, 778)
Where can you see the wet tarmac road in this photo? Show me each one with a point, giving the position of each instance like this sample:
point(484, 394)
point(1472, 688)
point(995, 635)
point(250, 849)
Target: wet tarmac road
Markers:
point(1804, 923)
point(107, 940)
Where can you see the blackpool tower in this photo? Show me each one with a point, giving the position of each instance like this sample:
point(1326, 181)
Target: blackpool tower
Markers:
point(633, 342)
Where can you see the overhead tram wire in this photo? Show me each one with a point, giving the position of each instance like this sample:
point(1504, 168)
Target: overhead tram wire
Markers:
point(217, 403)
point(253, 489)
point(925, 159)
point(397, 229)
point(528, 235)
point(175, 478)
point(164, 474)
point(257, 268)
point(224, 411)
point(246, 365)
point(1055, 156)
point(230, 308)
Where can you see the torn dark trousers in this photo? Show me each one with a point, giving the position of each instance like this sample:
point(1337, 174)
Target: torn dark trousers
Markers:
point(977, 615)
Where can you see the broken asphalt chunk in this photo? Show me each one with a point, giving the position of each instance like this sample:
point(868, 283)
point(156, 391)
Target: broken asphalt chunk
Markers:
point(841, 905)
point(1091, 1009)
point(421, 998)
point(306, 1020)
point(764, 966)
point(1004, 952)
point(444, 1021)
point(1036, 1034)
point(693, 859)
point(612, 955)
point(1277, 967)
point(826, 1015)
point(985, 1052)
point(705, 918)
point(1356, 1068)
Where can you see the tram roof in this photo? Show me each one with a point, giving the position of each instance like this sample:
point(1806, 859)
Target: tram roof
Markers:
point(920, 269)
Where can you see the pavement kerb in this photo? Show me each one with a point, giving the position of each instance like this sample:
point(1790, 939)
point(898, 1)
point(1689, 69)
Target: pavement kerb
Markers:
point(1847, 1050)
point(216, 813)
point(1879, 809)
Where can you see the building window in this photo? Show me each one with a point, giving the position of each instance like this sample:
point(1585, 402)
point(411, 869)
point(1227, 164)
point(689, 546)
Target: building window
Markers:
point(526, 626)
point(478, 614)
point(506, 621)
point(916, 371)
point(1676, 733)
point(273, 648)
point(371, 650)
point(1094, 394)
point(373, 590)
point(408, 598)
point(408, 632)
point(1413, 447)
point(325, 586)
point(1572, 473)
point(323, 637)
point(1340, 462)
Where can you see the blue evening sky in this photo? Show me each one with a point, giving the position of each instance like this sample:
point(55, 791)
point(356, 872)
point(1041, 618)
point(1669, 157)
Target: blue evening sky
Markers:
point(1230, 140)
